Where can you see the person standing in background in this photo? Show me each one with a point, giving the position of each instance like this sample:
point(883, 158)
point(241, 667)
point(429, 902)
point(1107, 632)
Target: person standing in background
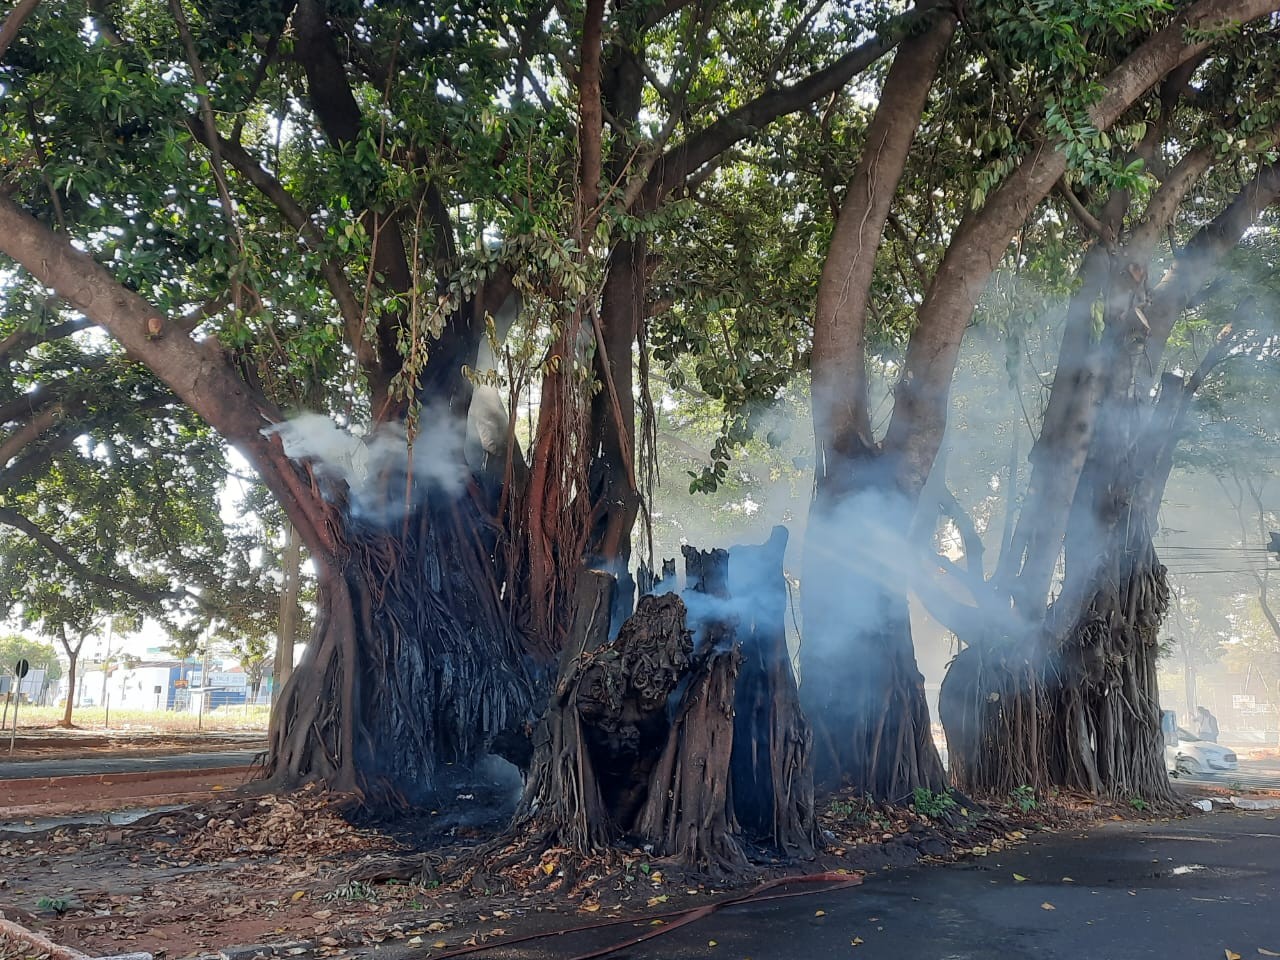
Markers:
point(1206, 725)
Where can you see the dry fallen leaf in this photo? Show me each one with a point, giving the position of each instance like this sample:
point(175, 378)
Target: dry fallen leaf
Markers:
point(819, 913)
point(1019, 877)
point(298, 895)
point(435, 927)
point(855, 941)
point(1268, 953)
point(1231, 955)
point(711, 943)
point(1047, 906)
point(438, 944)
point(548, 868)
point(591, 907)
point(1067, 880)
point(323, 914)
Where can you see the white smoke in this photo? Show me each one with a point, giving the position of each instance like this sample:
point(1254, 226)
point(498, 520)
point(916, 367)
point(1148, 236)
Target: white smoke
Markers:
point(385, 471)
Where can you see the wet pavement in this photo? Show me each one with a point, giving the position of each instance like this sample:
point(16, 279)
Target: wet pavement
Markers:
point(1175, 890)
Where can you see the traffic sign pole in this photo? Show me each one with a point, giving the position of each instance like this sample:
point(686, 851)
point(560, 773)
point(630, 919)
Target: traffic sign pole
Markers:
point(20, 670)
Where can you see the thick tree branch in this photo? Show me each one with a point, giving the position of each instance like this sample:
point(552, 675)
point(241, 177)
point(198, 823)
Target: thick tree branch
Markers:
point(1199, 259)
point(684, 158)
point(980, 242)
point(27, 466)
point(330, 268)
point(335, 105)
point(129, 587)
point(658, 10)
point(1164, 203)
point(198, 373)
point(841, 415)
point(30, 431)
point(13, 23)
point(22, 340)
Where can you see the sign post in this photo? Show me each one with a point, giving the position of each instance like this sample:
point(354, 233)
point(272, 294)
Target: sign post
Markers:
point(20, 670)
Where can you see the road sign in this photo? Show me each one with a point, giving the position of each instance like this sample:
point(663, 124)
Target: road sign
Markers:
point(21, 669)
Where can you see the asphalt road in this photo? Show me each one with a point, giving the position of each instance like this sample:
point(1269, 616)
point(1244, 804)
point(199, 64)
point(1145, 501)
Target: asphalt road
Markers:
point(22, 769)
point(1171, 890)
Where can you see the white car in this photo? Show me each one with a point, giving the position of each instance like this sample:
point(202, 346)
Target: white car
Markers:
point(1190, 756)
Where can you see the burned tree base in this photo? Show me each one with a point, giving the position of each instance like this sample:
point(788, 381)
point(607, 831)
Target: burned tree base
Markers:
point(654, 737)
point(411, 665)
point(689, 815)
point(595, 745)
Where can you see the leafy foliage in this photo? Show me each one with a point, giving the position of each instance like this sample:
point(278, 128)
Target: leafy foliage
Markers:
point(15, 647)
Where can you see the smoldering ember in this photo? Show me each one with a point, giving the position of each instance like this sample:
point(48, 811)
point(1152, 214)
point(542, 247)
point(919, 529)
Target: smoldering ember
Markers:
point(640, 478)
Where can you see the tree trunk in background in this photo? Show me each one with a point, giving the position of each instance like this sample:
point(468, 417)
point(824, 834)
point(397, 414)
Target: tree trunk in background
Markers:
point(73, 668)
point(287, 630)
point(1078, 708)
point(842, 425)
point(861, 687)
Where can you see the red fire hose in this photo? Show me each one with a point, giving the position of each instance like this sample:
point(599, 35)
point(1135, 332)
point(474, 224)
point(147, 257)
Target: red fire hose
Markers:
point(679, 918)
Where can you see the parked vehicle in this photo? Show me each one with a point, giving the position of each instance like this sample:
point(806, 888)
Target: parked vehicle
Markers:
point(1188, 755)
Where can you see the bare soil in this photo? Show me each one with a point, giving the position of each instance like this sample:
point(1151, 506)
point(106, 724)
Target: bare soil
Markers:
point(24, 801)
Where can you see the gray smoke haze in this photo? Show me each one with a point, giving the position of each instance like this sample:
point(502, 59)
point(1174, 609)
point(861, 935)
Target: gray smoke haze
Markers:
point(385, 472)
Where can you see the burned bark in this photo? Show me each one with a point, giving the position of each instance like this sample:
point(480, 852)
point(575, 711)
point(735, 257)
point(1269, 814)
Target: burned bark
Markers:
point(688, 812)
point(411, 664)
point(562, 800)
point(662, 735)
point(860, 684)
point(773, 742)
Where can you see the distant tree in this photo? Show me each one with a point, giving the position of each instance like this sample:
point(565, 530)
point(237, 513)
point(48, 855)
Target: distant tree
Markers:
point(15, 647)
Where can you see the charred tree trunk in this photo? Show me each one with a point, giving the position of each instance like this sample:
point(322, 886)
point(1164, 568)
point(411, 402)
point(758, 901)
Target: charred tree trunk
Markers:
point(562, 800)
point(860, 685)
point(613, 757)
point(607, 720)
point(688, 813)
point(1079, 707)
point(772, 740)
point(689, 810)
point(411, 663)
